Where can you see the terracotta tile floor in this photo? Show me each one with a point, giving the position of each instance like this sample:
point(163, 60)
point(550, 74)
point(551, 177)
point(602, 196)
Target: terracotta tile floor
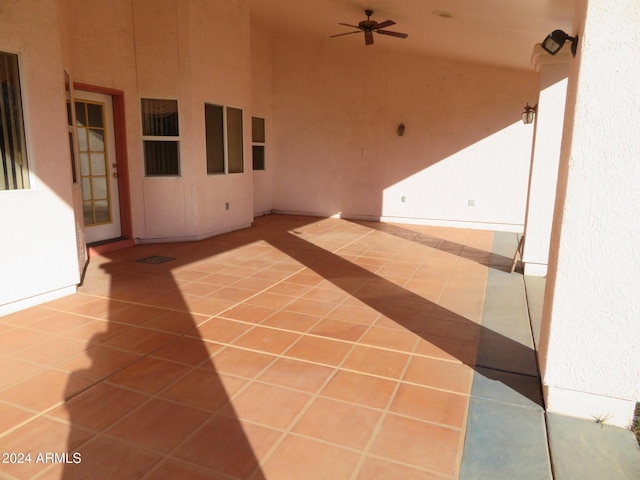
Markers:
point(301, 348)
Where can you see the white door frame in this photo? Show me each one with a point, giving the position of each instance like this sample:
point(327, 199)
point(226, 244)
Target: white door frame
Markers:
point(107, 176)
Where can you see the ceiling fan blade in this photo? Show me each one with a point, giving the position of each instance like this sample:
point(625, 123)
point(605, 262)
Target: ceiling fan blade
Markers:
point(368, 37)
point(386, 24)
point(340, 34)
point(349, 25)
point(393, 34)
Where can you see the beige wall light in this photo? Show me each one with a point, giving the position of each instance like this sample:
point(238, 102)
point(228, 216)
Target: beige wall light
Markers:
point(529, 114)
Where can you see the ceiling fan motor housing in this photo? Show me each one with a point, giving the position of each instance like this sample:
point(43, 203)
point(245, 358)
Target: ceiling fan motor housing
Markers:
point(367, 25)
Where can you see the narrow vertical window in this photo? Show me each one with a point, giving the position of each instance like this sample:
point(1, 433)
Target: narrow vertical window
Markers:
point(224, 139)
point(258, 140)
point(160, 137)
point(235, 140)
point(70, 131)
point(14, 174)
point(214, 126)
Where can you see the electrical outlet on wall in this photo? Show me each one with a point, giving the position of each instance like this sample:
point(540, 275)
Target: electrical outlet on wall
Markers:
point(226, 206)
point(403, 199)
point(471, 203)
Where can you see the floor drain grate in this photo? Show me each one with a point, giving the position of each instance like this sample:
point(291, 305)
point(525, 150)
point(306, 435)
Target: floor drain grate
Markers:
point(155, 259)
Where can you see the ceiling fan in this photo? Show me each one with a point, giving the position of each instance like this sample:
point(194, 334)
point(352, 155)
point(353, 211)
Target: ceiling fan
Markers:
point(369, 26)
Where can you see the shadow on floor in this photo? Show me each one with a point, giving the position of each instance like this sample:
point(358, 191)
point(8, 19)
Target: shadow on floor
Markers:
point(229, 449)
point(420, 316)
point(155, 424)
point(489, 259)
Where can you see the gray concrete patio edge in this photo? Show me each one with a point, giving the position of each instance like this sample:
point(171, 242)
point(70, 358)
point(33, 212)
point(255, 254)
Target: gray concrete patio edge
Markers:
point(509, 435)
point(506, 436)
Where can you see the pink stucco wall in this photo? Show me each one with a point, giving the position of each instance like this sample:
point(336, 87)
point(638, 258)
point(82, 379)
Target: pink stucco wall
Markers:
point(38, 253)
point(331, 116)
point(261, 103)
point(167, 49)
point(332, 113)
point(336, 113)
point(589, 358)
point(545, 156)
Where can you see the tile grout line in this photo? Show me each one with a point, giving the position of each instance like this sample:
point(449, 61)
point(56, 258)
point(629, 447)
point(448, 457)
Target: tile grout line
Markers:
point(465, 420)
point(248, 384)
point(255, 379)
point(106, 378)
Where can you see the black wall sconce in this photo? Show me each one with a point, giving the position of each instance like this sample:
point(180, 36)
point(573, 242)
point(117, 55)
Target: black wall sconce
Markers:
point(401, 130)
point(556, 39)
point(529, 114)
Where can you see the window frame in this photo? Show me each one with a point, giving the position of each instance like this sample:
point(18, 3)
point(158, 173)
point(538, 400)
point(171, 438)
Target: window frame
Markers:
point(22, 132)
point(71, 129)
point(226, 170)
point(146, 138)
point(261, 144)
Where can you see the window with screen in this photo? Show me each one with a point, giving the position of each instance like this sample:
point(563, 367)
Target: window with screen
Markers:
point(224, 139)
point(160, 137)
point(14, 174)
point(258, 142)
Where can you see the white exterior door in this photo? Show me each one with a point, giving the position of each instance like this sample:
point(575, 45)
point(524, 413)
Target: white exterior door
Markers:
point(98, 166)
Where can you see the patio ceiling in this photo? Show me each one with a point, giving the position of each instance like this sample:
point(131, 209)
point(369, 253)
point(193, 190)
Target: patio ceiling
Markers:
point(497, 32)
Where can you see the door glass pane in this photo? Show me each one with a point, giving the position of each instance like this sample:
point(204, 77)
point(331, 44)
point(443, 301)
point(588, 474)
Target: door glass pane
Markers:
point(84, 164)
point(86, 188)
point(87, 211)
point(81, 114)
point(83, 143)
point(94, 112)
point(98, 164)
point(101, 209)
point(96, 140)
point(99, 185)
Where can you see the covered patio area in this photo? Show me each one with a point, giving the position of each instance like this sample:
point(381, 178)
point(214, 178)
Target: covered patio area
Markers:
point(298, 348)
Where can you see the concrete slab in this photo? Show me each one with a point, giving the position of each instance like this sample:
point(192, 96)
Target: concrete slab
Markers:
point(504, 442)
point(506, 387)
point(506, 432)
point(590, 451)
point(505, 244)
point(508, 435)
point(506, 342)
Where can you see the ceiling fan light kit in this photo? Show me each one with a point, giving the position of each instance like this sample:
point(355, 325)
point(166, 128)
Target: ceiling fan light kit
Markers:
point(369, 26)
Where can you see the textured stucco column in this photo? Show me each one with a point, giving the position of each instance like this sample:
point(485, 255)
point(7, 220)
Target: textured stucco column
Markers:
point(544, 158)
point(590, 355)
